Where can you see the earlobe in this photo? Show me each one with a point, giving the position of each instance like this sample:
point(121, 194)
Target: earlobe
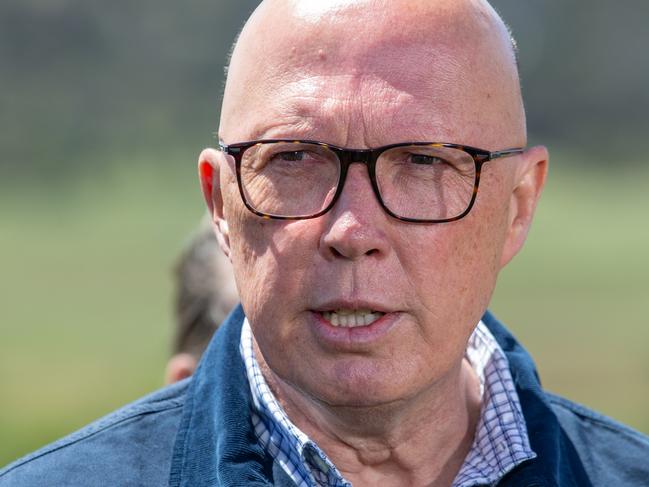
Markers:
point(223, 236)
point(528, 184)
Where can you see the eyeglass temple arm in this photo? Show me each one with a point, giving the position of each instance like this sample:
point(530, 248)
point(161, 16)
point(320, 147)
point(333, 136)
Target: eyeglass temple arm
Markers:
point(505, 153)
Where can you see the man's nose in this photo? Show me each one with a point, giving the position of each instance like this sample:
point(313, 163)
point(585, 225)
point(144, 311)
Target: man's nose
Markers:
point(357, 223)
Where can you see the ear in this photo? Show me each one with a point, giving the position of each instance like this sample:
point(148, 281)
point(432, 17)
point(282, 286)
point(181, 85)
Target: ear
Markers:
point(529, 179)
point(179, 367)
point(209, 166)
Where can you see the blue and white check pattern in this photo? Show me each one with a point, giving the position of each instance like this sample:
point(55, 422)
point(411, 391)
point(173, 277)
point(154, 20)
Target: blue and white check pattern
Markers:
point(299, 456)
point(501, 441)
point(500, 444)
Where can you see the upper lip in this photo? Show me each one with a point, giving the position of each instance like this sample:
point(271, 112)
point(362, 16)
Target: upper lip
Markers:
point(352, 304)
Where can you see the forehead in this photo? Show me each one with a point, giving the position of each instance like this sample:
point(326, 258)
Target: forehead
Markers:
point(365, 79)
point(356, 110)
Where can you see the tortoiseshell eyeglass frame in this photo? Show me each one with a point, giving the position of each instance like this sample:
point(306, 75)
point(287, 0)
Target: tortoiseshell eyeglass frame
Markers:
point(346, 157)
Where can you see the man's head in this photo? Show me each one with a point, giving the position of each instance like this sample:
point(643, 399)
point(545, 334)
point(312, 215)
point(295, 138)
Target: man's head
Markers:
point(364, 74)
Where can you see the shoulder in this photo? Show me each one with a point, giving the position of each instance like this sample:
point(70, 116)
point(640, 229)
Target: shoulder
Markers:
point(131, 446)
point(612, 453)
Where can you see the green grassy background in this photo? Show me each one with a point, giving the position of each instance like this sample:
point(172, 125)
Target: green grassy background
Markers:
point(85, 314)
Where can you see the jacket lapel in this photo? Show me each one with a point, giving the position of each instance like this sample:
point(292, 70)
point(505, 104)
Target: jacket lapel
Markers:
point(216, 444)
point(557, 463)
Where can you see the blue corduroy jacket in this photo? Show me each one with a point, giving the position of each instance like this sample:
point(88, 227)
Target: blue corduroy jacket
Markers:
point(198, 433)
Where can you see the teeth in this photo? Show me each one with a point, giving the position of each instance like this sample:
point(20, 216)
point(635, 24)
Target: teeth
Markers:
point(349, 318)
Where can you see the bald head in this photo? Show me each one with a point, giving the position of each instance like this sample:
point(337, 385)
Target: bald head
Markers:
point(456, 55)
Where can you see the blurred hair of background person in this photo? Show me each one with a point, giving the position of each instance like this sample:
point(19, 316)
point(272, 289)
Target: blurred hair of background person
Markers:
point(205, 294)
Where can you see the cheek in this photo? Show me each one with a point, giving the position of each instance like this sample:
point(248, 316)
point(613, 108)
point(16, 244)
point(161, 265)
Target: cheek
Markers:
point(273, 270)
point(272, 262)
point(453, 267)
point(250, 252)
point(479, 248)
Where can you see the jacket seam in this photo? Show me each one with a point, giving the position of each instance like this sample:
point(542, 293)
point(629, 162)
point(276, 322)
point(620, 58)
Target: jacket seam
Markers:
point(100, 426)
point(594, 417)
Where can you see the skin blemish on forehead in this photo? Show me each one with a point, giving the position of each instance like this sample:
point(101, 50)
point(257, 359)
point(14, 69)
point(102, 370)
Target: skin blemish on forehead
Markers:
point(322, 55)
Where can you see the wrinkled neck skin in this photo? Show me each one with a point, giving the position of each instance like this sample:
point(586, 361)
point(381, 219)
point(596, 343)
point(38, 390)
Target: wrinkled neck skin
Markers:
point(418, 441)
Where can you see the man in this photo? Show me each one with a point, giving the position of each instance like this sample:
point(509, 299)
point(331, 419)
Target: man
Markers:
point(204, 296)
point(366, 234)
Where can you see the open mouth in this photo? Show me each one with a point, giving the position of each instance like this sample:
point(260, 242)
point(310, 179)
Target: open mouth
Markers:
point(351, 318)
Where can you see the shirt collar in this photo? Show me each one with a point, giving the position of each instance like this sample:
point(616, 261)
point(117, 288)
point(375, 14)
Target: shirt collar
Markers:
point(300, 457)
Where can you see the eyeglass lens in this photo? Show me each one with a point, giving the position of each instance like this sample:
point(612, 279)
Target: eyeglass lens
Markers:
point(300, 179)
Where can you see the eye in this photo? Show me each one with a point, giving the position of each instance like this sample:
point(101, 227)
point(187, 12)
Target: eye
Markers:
point(425, 160)
point(292, 156)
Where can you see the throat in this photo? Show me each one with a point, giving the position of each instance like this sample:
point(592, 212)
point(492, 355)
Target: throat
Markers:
point(421, 440)
point(394, 444)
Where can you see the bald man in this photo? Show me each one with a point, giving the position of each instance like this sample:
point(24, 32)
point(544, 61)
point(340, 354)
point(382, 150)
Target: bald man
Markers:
point(372, 178)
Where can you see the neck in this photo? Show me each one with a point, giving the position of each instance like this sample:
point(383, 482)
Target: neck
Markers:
point(422, 440)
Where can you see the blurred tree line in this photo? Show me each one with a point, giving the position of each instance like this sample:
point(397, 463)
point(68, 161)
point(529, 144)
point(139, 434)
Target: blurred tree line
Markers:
point(83, 82)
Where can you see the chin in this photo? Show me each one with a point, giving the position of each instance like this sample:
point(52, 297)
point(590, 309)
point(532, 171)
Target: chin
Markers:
point(361, 399)
point(360, 385)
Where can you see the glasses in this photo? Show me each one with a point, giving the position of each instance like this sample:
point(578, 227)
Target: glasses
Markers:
point(419, 182)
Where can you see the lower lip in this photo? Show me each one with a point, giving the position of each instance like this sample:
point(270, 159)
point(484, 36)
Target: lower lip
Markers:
point(348, 337)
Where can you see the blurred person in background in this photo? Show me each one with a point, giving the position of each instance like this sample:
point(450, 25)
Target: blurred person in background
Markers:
point(205, 292)
point(363, 352)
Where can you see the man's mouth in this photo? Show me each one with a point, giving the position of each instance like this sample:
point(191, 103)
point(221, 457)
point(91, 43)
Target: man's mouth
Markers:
point(351, 318)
